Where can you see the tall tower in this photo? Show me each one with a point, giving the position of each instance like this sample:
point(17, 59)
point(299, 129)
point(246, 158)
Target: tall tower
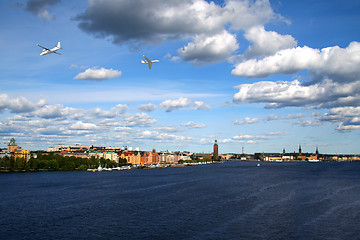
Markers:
point(216, 150)
point(12, 146)
point(317, 150)
point(299, 149)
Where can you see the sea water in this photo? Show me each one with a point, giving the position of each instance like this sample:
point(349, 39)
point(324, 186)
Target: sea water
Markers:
point(231, 200)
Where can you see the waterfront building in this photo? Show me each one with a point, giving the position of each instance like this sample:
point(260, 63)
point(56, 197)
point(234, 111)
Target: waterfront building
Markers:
point(112, 156)
point(216, 150)
point(22, 153)
point(202, 156)
point(69, 148)
point(12, 146)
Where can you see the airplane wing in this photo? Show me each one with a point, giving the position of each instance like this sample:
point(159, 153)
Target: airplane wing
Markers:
point(43, 47)
point(150, 64)
point(57, 52)
point(147, 59)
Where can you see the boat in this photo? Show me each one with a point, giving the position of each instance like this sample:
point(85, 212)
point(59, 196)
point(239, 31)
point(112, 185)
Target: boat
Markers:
point(99, 169)
point(314, 160)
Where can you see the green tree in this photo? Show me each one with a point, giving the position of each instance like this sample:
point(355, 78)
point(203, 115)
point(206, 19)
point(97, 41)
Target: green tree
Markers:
point(82, 167)
point(19, 164)
point(52, 165)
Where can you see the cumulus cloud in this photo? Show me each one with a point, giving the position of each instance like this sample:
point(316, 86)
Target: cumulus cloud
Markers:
point(98, 74)
point(138, 120)
point(338, 64)
point(266, 43)
point(209, 49)
point(200, 105)
point(206, 24)
point(39, 8)
point(283, 94)
point(247, 120)
point(50, 111)
point(79, 125)
point(147, 107)
point(171, 105)
point(192, 124)
point(19, 104)
point(348, 118)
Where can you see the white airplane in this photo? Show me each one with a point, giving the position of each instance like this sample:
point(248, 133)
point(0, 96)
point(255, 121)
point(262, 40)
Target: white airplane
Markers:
point(48, 51)
point(148, 61)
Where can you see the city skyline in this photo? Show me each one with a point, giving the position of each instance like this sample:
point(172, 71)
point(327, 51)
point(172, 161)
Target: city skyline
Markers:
point(263, 75)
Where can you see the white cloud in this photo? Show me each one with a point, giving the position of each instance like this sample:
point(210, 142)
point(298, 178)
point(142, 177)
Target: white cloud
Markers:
point(266, 43)
point(307, 123)
point(79, 125)
point(247, 120)
point(200, 105)
point(147, 107)
point(50, 111)
point(171, 105)
point(339, 64)
point(98, 74)
point(348, 117)
point(209, 49)
point(192, 124)
point(19, 104)
point(163, 137)
point(347, 128)
point(272, 117)
point(205, 24)
point(294, 116)
point(286, 61)
point(282, 94)
point(138, 120)
point(278, 133)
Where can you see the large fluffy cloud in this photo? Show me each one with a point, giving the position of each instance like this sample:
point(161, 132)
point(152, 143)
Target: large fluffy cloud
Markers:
point(246, 120)
point(171, 105)
point(339, 64)
point(183, 102)
point(266, 43)
point(204, 49)
point(283, 94)
point(206, 24)
point(19, 104)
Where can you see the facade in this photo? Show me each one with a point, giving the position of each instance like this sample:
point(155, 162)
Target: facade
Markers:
point(25, 154)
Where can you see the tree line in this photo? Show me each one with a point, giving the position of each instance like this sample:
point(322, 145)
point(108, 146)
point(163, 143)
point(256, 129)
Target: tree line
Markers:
point(55, 162)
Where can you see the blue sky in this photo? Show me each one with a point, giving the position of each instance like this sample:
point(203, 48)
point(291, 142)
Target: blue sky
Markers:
point(263, 75)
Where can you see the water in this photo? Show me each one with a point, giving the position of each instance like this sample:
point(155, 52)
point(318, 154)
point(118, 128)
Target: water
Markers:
point(233, 200)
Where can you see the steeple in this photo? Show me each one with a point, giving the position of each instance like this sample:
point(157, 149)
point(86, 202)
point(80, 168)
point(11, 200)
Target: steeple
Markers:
point(299, 149)
point(317, 150)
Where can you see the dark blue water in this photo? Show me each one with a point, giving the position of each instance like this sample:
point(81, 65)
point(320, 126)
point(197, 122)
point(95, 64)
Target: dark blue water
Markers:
point(233, 200)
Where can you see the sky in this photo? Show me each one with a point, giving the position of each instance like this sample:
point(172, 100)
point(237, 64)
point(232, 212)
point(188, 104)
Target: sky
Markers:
point(262, 76)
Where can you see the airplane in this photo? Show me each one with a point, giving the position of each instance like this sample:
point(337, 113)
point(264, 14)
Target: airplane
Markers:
point(148, 61)
point(48, 51)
